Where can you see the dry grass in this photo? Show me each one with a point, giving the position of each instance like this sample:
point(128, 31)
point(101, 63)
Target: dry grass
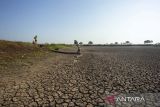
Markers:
point(13, 50)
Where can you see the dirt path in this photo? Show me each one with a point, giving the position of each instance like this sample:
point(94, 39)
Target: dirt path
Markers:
point(86, 79)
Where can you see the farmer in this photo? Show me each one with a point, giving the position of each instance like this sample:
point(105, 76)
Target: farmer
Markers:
point(78, 51)
point(77, 44)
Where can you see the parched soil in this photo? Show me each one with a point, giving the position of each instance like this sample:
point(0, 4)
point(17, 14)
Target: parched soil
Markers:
point(85, 80)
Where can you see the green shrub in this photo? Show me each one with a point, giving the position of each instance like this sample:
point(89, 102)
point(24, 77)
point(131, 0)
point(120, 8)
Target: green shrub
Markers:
point(56, 46)
point(56, 49)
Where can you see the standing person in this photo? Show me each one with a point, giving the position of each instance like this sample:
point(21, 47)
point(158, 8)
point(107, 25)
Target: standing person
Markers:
point(78, 51)
point(77, 44)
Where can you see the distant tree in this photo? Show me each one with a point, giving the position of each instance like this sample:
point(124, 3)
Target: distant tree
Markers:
point(81, 43)
point(35, 39)
point(90, 43)
point(127, 42)
point(148, 41)
point(116, 43)
point(158, 43)
point(75, 42)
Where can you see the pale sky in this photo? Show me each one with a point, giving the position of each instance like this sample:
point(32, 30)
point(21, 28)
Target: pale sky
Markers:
point(63, 21)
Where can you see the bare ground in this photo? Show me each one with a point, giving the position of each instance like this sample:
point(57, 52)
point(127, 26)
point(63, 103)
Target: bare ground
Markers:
point(84, 80)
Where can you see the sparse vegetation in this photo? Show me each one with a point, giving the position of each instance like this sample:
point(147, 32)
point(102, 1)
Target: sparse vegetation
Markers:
point(11, 51)
point(81, 43)
point(148, 41)
point(35, 40)
point(90, 43)
point(75, 42)
point(116, 43)
point(57, 46)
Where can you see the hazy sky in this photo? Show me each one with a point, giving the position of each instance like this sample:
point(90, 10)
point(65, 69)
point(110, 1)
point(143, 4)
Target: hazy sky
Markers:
point(63, 21)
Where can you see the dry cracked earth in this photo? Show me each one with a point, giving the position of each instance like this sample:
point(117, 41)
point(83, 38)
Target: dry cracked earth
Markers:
point(85, 80)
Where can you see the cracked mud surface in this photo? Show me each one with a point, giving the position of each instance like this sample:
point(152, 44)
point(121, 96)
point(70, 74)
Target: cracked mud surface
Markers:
point(85, 80)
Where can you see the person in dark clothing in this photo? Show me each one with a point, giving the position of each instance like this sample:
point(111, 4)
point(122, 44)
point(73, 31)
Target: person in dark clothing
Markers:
point(77, 44)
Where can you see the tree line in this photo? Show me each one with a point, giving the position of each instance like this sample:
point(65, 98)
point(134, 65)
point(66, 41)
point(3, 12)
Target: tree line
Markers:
point(124, 43)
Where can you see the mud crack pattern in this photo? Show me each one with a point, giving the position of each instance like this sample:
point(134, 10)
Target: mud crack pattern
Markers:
point(86, 80)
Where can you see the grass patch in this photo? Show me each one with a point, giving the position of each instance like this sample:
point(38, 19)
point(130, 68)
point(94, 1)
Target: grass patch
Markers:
point(11, 50)
point(57, 46)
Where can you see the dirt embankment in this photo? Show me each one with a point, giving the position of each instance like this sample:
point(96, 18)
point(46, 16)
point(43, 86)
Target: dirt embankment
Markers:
point(17, 57)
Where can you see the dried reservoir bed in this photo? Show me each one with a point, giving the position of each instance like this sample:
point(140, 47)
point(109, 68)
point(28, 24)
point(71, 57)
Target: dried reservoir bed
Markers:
point(86, 79)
